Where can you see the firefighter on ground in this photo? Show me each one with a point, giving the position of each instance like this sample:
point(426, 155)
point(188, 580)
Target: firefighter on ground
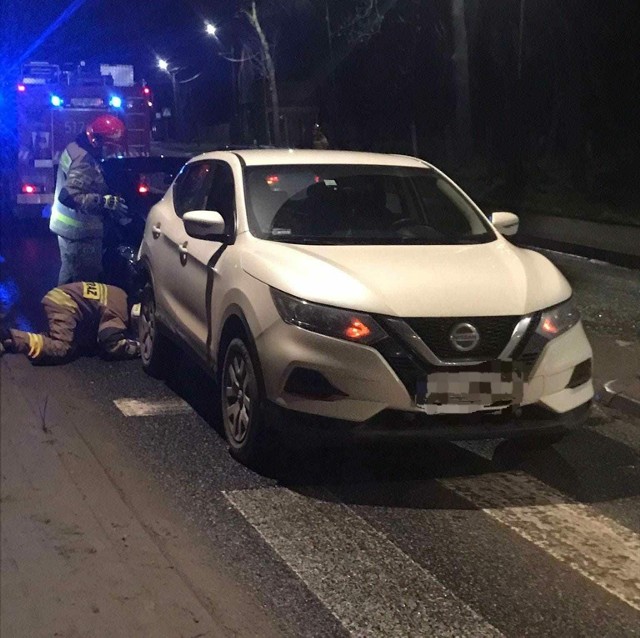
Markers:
point(82, 316)
point(82, 199)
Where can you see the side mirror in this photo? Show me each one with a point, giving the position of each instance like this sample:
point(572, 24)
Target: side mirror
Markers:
point(204, 224)
point(505, 223)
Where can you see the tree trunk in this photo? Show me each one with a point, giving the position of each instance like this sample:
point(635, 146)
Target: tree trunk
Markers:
point(461, 65)
point(270, 70)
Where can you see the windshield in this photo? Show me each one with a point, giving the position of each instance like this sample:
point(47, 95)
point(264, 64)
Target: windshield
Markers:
point(356, 204)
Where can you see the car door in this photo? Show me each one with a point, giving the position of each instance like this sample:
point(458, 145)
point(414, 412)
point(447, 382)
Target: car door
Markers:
point(167, 241)
point(198, 258)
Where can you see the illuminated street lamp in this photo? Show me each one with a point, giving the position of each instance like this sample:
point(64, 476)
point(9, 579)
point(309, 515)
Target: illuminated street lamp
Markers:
point(212, 30)
point(163, 65)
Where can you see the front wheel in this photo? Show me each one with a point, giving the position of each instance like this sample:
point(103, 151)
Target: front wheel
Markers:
point(242, 400)
point(154, 346)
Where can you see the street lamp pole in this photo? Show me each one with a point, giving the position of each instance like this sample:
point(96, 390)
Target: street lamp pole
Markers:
point(163, 65)
point(212, 30)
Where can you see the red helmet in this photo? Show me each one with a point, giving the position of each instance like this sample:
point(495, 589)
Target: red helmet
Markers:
point(106, 128)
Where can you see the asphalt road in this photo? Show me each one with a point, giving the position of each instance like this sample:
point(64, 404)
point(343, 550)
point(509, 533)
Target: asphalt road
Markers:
point(472, 539)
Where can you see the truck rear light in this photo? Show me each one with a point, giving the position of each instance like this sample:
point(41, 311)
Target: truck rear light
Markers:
point(30, 189)
point(143, 189)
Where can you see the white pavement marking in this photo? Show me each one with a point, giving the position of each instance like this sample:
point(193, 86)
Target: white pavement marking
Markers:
point(368, 583)
point(596, 546)
point(140, 407)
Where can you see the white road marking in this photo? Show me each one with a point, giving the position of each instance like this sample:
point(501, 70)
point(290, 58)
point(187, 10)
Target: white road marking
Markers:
point(596, 546)
point(368, 583)
point(141, 407)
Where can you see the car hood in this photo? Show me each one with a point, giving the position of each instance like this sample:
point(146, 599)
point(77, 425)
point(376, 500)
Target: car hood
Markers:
point(411, 281)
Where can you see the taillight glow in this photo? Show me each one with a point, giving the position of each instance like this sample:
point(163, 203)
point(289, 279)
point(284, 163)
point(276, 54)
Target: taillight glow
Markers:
point(146, 90)
point(29, 189)
point(272, 179)
point(143, 189)
point(357, 330)
point(21, 88)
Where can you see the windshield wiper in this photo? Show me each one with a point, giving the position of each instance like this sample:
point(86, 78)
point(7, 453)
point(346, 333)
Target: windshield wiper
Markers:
point(292, 239)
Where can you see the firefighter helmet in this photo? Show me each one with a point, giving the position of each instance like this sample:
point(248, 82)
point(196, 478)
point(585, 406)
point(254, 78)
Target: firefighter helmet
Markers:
point(106, 128)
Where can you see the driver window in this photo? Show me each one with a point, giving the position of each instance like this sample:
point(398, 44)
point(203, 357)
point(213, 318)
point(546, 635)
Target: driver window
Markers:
point(190, 190)
point(221, 196)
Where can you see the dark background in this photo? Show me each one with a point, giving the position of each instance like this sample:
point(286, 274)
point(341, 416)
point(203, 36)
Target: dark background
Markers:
point(552, 101)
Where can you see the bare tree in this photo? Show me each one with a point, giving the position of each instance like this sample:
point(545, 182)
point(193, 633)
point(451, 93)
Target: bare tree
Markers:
point(461, 70)
point(268, 66)
point(366, 19)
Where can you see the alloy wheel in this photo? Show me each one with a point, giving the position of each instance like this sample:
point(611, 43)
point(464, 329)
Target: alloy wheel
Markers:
point(147, 328)
point(238, 384)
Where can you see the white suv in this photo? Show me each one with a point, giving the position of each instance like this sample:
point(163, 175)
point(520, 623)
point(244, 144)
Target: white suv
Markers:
point(363, 288)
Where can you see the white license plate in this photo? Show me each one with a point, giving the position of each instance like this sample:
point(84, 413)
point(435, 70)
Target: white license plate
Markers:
point(468, 391)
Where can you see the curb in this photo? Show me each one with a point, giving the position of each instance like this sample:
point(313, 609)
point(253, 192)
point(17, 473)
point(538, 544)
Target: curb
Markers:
point(600, 254)
point(623, 395)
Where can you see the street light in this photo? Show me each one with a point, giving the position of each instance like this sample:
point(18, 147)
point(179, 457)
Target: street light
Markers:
point(163, 65)
point(212, 30)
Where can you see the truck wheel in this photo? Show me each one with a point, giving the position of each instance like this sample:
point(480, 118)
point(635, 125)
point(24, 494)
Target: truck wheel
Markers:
point(154, 346)
point(242, 401)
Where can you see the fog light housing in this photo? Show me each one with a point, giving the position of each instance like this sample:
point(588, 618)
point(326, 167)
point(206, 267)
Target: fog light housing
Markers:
point(581, 374)
point(312, 384)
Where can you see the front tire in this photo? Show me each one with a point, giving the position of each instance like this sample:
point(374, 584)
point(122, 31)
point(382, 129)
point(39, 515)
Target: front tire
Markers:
point(242, 400)
point(154, 346)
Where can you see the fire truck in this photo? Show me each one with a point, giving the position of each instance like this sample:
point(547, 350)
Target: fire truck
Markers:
point(55, 104)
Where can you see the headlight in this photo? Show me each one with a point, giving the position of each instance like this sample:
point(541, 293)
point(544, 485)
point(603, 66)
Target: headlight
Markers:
point(333, 322)
point(558, 319)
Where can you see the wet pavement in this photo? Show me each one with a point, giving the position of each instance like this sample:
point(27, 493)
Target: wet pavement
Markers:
point(480, 538)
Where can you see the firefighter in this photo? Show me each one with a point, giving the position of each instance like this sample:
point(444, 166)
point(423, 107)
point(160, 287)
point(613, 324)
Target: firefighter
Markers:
point(81, 316)
point(81, 199)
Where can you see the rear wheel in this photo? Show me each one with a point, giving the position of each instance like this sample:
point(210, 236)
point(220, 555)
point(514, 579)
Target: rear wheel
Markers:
point(242, 400)
point(154, 346)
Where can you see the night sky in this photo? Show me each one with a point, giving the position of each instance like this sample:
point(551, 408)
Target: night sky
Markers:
point(564, 121)
point(127, 32)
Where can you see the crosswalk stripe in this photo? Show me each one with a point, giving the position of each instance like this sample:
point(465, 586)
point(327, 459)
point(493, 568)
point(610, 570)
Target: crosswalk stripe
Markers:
point(597, 547)
point(141, 407)
point(371, 586)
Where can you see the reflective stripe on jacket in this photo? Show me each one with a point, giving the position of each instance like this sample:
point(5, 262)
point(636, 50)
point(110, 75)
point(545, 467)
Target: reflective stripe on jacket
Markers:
point(77, 207)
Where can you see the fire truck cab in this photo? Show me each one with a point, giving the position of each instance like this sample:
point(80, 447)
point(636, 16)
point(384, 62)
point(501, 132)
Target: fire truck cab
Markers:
point(54, 105)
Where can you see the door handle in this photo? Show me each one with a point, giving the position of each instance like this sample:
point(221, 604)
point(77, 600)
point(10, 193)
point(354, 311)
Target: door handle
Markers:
point(184, 253)
point(155, 231)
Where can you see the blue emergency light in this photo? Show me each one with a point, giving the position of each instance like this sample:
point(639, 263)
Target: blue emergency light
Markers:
point(115, 101)
point(56, 100)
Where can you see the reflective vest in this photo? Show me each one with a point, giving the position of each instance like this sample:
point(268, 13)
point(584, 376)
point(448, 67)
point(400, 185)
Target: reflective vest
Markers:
point(81, 178)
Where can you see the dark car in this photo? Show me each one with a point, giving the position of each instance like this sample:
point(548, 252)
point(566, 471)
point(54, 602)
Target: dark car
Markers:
point(142, 181)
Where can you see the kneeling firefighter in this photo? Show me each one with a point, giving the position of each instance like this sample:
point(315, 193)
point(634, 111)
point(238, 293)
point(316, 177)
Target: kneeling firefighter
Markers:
point(81, 316)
